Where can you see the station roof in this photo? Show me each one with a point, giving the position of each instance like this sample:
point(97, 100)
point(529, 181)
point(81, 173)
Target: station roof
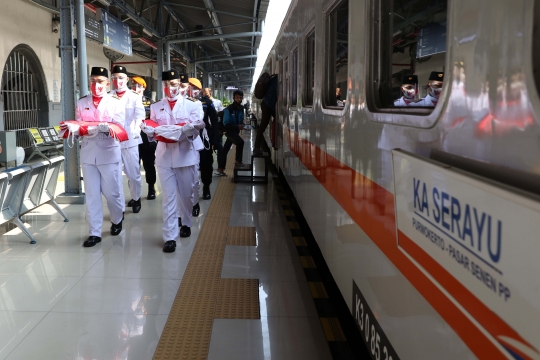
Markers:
point(152, 20)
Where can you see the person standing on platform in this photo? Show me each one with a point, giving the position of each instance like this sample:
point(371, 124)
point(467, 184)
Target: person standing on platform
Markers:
point(233, 121)
point(268, 110)
point(409, 89)
point(207, 159)
point(194, 92)
point(135, 114)
point(147, 150)
point(217, 135)
point(101, 156)
point(177, 161)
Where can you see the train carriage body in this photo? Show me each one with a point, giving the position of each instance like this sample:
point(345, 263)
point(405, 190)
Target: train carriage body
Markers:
point(341, 162)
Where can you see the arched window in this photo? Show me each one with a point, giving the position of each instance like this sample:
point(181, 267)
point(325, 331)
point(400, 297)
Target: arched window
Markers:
point(24, 94)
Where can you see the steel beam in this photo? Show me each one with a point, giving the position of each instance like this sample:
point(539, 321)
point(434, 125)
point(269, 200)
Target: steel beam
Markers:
point(231, 70)
point(81, 49)
point(228, 58)
point(213, 37)
point(168, 55)
point(159, 90)
point(72, 171)
point(217, 11)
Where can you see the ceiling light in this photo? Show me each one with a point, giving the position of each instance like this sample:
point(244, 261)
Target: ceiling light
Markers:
point(105, 2)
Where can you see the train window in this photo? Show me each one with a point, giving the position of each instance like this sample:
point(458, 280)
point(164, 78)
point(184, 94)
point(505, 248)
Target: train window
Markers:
point(294, 77)
point(337, 55)
point(286, 81)
point(412, 37)
point(310, 69)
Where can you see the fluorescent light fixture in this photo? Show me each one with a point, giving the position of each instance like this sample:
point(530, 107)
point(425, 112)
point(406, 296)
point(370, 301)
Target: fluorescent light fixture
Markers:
point(105, 2)
point(231, 88)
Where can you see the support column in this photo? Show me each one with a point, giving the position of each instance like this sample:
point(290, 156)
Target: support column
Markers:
point(72, 171)
point(168, 55)
point(159, 90)
point(81, 48)
point(190, 68)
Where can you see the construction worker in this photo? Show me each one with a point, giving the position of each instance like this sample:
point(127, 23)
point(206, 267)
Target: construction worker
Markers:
point(147, 150)
point(135, 114)
point(177, 161)
point(101, 156)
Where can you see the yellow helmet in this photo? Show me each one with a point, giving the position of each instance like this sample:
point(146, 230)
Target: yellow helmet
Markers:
point(195, 82)
point(139, 80)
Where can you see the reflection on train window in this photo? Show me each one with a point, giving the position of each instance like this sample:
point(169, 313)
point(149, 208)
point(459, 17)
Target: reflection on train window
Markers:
point(310, 69)
point(338, 51)
point(294, 77)
point(417, 42)
point(285, 81)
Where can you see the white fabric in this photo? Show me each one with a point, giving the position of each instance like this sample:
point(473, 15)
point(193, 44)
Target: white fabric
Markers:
point(135, 114)
point(171, 132)
point(148, 130)
point(427, 101)
point(181, 153)
point(177, 185)
point(100, 149)
point(121, 182)
point(101, 179)
point(103, 127)
point(196, 187)
point(132, 168)
point(218, 105)
point(401, 102)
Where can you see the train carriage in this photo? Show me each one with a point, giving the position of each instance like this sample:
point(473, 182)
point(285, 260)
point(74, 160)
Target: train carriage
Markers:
point(426, 216)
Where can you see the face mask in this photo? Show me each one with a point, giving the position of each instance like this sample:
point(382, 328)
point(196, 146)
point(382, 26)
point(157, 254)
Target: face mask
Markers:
point(195, 93)
point(139, 90)
point(184, 92)
point(435, 92)
point(120, 84)
point(98, 90)
point(409, 93)
point(172, 92)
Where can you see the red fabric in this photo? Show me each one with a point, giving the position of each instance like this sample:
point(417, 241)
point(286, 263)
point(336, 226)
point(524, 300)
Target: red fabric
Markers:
point(172, 103)
point(115, 130)
point(96, 100)
point(153, 124)
point(120, 94)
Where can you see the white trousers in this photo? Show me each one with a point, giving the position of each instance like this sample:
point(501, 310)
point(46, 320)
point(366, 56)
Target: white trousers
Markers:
point(132, 168)
point(102, 179)
point(196, 186)
point(177, 187)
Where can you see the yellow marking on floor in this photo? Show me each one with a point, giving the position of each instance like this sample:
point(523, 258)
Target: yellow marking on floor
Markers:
point(307, 262)
point(238, 299)
point(318, 291)
point(293, 225)
point(203, 294)
point(289, 213)
point(241, 236)
point(332, 329)
point(299, 241)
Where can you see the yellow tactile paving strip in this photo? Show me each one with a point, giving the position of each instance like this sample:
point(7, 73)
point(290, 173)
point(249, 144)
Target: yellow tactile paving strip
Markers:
point(241, 236)
point(203, 295)
point(238, 299)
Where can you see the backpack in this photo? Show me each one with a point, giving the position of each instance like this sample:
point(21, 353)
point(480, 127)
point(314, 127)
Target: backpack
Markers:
point(261, 87)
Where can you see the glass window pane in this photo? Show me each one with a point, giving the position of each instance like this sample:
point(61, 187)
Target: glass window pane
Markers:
point(310, 69)
point(338, 52)
point(294, 77)
point(286, 82)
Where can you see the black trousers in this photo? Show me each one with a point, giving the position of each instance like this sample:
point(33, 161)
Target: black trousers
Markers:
point(233, 137)
point(217, 139)
point(206, 168)
point(147, 153)
point(267, 113)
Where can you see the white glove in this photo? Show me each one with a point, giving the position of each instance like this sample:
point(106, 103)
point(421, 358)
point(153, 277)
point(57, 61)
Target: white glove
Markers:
point(148, 130)
point(93, 131)
point(171, 132)
point(73, 129)
point(248, 127)
point(104, 127)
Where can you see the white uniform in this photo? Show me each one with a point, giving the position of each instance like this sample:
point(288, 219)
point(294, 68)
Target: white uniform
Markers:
point(429, 101)
point(177, 162)
point(401, 102)
point(218, 105)
point(135, 114)
point(101, 161)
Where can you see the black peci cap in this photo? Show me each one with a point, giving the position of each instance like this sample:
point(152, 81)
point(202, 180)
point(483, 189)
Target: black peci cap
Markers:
point(184, 78)
point(119, 70)
point(99, 71)
point(409, 79)
point(436, 76)
point(170, 75)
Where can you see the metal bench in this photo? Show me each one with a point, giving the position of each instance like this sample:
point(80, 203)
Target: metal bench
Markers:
point(42, 141)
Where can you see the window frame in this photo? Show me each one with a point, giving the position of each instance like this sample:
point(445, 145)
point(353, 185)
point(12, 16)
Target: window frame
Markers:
point(375, 74)
point(307, 87)
point(286, 81)
point(293, 56)
point(329, 60)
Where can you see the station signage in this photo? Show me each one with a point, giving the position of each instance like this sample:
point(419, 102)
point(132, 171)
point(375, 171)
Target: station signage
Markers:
point(93, 29)
point(116, 34)
point(476, 239)
point(431, 40)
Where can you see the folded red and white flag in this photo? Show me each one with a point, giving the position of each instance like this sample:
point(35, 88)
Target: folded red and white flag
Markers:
point(164, 133)
point(91, 128)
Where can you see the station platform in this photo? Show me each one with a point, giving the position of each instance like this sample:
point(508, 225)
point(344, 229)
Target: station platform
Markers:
point(235, 289)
